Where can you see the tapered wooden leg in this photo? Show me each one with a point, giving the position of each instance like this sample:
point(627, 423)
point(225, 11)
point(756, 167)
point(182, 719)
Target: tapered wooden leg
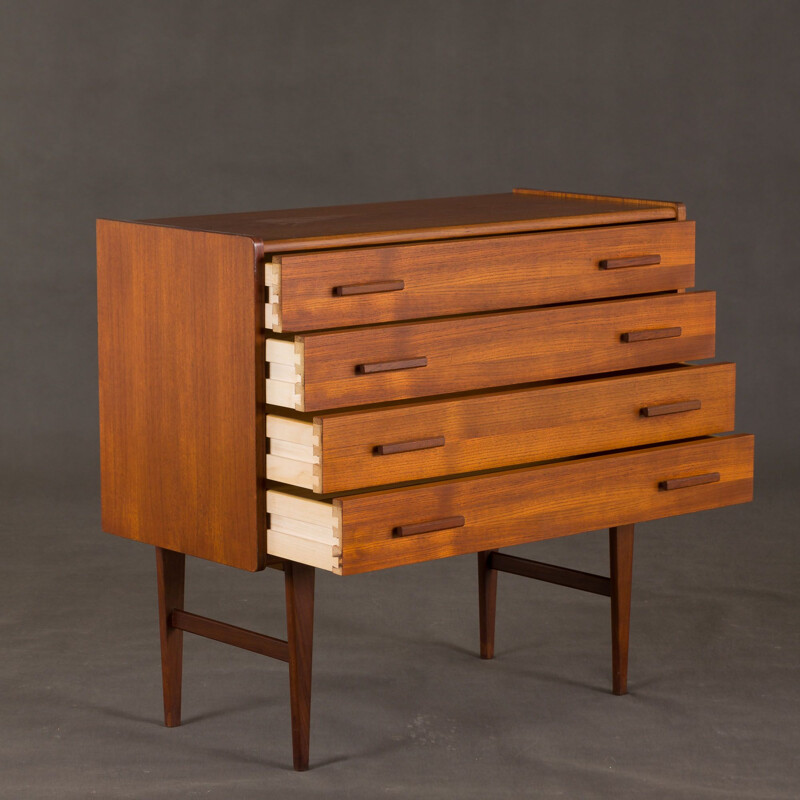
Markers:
point(621, 546)
point(487, 603)
point(300, 633)
point(171, 570)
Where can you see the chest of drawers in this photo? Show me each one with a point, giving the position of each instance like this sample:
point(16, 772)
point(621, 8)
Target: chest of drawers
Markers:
point(360, 387)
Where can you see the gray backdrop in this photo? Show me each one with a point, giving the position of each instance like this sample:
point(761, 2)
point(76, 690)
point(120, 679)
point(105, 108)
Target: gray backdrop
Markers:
point(148, 109)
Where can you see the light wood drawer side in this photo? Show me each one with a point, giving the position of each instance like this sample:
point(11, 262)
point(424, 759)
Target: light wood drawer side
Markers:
point(304, 530)
point(293, 452)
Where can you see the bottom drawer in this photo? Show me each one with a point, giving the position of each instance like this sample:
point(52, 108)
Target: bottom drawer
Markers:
point(360, 532)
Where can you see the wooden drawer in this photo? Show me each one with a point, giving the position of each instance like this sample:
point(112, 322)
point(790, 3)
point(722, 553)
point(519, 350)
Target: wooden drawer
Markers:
point(337, 288)
point(348, 450)
point(358, 366)
point(369, 531)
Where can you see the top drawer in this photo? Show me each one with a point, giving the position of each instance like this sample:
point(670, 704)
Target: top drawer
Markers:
point(340, 288)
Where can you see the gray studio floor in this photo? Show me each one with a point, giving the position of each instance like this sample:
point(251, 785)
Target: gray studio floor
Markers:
point(402, 705)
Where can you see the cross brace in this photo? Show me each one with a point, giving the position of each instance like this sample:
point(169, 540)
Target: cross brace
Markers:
point(296, 650)
point(617, 587)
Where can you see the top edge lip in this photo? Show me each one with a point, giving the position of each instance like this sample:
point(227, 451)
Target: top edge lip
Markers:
point(428, 219)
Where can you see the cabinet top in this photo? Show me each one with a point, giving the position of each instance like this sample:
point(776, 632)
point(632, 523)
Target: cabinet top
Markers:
point(418, 220)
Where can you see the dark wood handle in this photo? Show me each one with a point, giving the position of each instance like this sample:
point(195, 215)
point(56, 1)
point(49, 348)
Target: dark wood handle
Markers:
point(692, 480)
point(406, 447)
point(670, 408)
point(369, 288)
point(427, 527)
point(391, 366)
point(634, 261)
point(655, 333)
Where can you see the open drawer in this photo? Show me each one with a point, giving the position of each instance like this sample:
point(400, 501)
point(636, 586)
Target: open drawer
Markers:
point(368, 285)
point(356, 366)
point(355, 533)
point(346, 450)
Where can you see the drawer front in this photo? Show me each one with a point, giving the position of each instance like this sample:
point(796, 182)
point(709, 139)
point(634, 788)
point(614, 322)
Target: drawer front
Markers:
point(403, 526)
point(418, 359)
point(424, 440)
point(375, 530)
point(368, 285)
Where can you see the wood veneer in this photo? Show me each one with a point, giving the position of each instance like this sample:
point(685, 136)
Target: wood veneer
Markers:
point(181, 362)
point(486, 350)
point(423, 439)
point(542, 502)
point(424, 220)
point(510, 506)
point(465, 275)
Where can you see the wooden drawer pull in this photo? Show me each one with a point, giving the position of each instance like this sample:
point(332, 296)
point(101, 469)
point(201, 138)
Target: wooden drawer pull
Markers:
point(369, 288)
point(391, 366)
point(692, 480)
point(670, 408)
point(635, 261)
point(427, 527)
point(406, 447)
point(655, 333)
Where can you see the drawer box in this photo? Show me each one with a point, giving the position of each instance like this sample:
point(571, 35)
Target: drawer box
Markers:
point(416, 359)
point(368, 531)
point(338, 288)
point(341, 451)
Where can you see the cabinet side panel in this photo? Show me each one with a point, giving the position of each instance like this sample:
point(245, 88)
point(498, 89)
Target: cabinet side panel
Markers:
point(180, 347)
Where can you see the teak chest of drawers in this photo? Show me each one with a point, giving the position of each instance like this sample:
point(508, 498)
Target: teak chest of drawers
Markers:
point(359, 387)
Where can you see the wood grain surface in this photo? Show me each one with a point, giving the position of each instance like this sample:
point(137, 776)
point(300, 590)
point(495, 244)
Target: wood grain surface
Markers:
point(543, 502)
point(484, 274)
point(181, 359)
point(423, 220)
point(511, 347)
point(517, 426)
